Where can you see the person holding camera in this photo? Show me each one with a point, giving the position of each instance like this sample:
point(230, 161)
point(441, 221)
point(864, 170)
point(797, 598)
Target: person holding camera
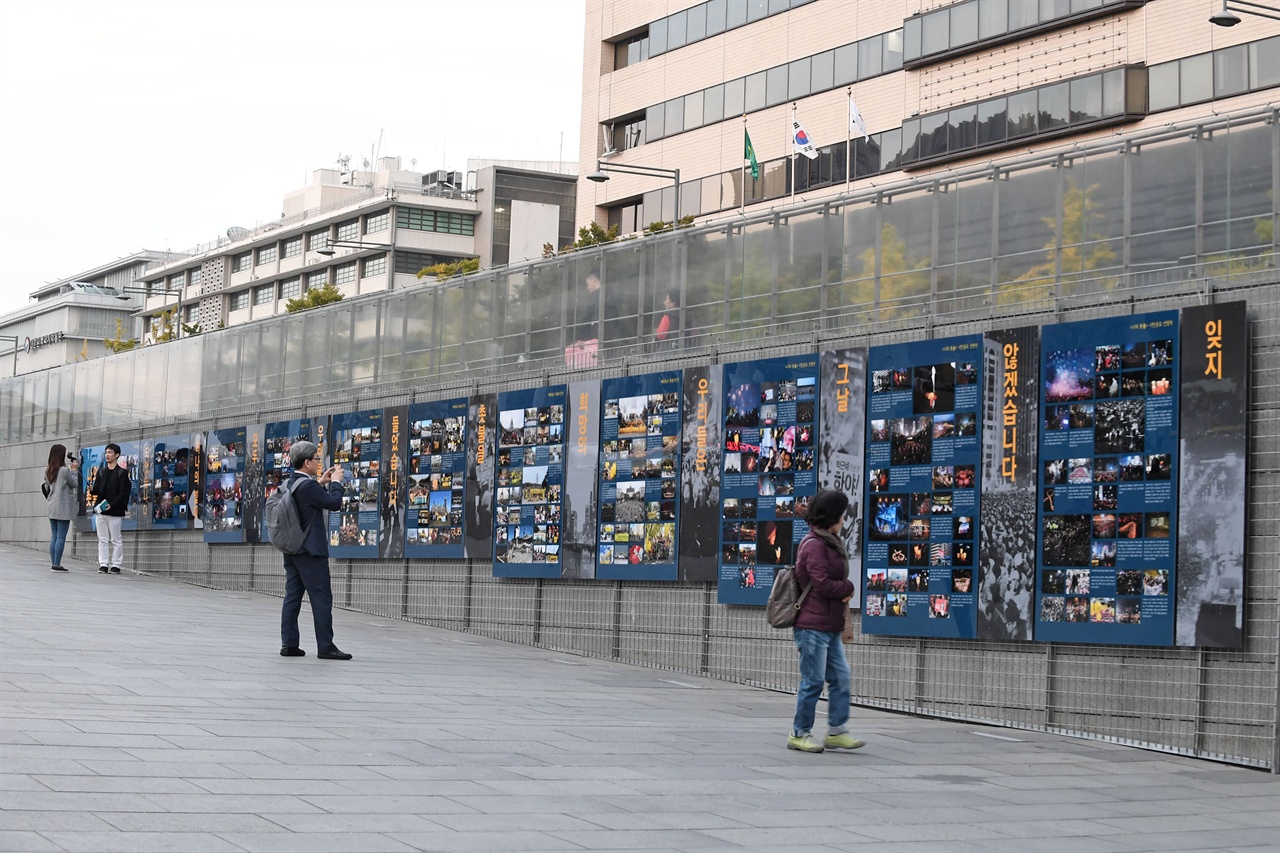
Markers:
point(61, 490)
point(308, 570)
point(109, 495)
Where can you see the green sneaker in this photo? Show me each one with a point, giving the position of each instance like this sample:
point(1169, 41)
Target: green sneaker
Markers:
point(844, 740)
point(804, 743)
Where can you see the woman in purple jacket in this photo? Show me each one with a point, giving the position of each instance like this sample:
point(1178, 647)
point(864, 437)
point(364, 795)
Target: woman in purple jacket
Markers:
point(823, 562)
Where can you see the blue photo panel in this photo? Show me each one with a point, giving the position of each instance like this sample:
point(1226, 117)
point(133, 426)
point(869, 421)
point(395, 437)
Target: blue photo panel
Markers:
point(437, 479)
point(280, 436)
point(355, 443)
point(924, 461)
point(1108, 479)
point(176, 466)
point(768, 471)
point(639, 485)
point(224, 470)
point(529, 483)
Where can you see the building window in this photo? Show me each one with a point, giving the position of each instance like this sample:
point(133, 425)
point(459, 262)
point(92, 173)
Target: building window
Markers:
point(375, 266)
point(264, 293)
point(177, 282)
point(318, 239)
point(690, 26)
point(440, 221)
point(196, 276)
point(376, 222)
point(242, 262)
point(267, 254)
point(349, 230)
point(292, 247)
point(317, 279)
point(189, 313)
point(290, 287)
point(411, 263)
point(810, 75)
point(344, 274)
point(240, 301)
point(1234, 70)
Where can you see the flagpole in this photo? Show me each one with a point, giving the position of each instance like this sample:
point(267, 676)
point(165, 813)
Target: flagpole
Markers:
point(848, 144)
point(791, 133)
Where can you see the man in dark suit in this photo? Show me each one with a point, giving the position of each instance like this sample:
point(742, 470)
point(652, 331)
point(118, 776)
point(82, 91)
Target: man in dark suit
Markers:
point(308, 570)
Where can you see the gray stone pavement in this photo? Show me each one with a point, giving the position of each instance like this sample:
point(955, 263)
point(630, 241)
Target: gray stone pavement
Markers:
point(143, 714)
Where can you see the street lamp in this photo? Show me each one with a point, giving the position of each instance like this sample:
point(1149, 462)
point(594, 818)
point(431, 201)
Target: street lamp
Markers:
point(599, 176)
point(126, 292)
point(1226, 17)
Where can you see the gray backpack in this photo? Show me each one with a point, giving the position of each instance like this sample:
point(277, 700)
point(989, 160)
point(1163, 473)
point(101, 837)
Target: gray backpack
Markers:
point(284, 526)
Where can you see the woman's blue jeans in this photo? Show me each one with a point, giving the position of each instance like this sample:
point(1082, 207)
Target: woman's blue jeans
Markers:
point(821, 660)
point(58, 528)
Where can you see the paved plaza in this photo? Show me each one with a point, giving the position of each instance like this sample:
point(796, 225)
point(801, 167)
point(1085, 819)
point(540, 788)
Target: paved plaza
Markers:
point(142, 714)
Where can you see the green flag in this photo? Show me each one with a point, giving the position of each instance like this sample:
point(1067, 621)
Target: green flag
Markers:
point(749, 152)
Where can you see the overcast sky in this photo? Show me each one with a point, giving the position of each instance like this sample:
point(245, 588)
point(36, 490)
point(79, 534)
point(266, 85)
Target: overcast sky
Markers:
point(156, 125)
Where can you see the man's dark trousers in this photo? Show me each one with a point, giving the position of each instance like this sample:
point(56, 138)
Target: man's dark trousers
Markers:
point(305, 572)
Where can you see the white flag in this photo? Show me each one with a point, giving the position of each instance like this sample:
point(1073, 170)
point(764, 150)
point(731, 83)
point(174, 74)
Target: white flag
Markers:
point(800, 141)
point(856, 124)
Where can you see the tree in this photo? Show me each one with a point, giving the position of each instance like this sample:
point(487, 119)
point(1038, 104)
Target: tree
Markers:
point(592, 234)
point(314, 298)
point(120, 343)
point(901, 277)
point(446, 271)
point(163, 327)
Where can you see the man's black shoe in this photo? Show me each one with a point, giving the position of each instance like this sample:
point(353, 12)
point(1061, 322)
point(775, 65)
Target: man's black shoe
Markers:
point(115, 570)
point(292, 652)
point(333, 655)
point(102, 570)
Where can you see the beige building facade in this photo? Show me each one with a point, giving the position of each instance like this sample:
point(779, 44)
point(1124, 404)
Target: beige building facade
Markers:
point(940, 85)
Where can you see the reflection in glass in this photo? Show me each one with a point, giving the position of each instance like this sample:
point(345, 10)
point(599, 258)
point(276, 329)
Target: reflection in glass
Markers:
point(962, 128)
point(1264, 63)
point(1230, 74)
point(934, 35)
point(993, 18)
point(1022, 114)
point(870, 57)
point(1055, 106)
point(993, 121)
point(933, 136)
point(1113, 92)
point(964, 24)
point(1196, 78)
point(1086, 99)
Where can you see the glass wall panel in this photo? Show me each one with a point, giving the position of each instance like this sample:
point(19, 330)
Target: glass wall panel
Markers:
point(557, 309)
point(756, 9)
point(993, 18)
point(1028, 234)
point(1163, 205)
point(735, 14)
point(655, 122)
point(912, 29)
point(657, 36)
point(339, 374)
point(1113, 85)
point(677, 30)
point(1092, 223)
point(800, 277)
point(933, 136)
point(1196, 78)
point(755, 92)
point(713, 105)
point(1086, 99)
point(716, 16)
point(798, 78)
point(1022, 13)
point(1237, 203)
point(1055, 106)
point(270, 358)
point(734, 103)
point(846, 64)
point(1230, 71)
point(993, 121)
point(935, 32)
point(88, 391)
point(870, 57)
point(822, 71)
point(906, 239)
point(149, 381)
point(364, 342)
point(964, 24)
point(317, 349)
point(892, 60)
point(697, 23)
point(692, 110)
point(1264, 63)
point(249, 346)
point(419, 326)
point(776, 85)
point(186, 393)
point(962, 128)
point(704, 296)
point(1023, 108)
point(964, 244)
point(391, 338)
point(675, 116)
point(751, 280)
point(62, 399)
point(1050, 9)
